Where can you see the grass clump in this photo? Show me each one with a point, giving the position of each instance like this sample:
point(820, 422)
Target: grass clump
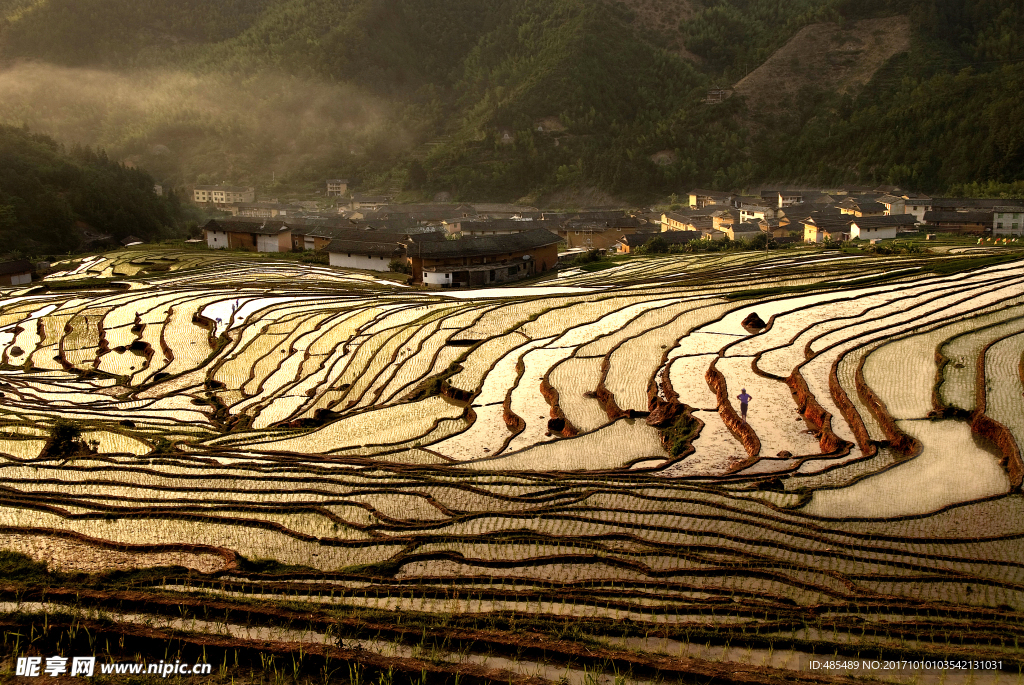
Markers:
point(680, 434)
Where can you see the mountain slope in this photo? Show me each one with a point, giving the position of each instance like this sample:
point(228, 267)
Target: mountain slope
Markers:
point(282, 93)
point(45, 192)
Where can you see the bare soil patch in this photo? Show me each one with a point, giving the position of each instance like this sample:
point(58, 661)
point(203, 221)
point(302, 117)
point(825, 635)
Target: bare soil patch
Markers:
point(828, 57)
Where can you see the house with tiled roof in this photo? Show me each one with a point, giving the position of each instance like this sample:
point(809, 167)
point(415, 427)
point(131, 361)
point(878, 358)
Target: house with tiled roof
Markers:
point(881, 227)
point(482, 261)
point(18, 272)
point(252, 236)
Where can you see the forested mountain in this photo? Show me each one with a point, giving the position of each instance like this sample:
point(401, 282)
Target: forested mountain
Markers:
point(449, 95)
point(50, 198)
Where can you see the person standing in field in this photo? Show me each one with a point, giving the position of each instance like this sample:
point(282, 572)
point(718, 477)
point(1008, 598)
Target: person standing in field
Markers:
point(744, 399)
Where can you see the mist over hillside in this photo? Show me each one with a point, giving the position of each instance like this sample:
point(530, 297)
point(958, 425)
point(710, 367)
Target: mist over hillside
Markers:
point(519, 98)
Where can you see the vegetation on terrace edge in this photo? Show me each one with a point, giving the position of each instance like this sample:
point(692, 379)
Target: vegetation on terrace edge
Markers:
point(464, 75)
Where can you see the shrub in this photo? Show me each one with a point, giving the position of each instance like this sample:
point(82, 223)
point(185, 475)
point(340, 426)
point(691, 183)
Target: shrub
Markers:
point(66, 441)
point(399, 266)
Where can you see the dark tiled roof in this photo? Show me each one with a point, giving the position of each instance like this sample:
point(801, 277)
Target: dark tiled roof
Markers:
point(954, 203)
point(890, 220)
point(254, 227)
point(487, 245)
point(227, 189)
point(747, 227)
point(958, 217)
point(375, 249)
point(829, 222)
point(20, 266)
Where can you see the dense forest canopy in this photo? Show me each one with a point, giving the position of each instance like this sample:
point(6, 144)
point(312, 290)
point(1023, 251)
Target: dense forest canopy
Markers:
point(512, 98)
point(50, 199)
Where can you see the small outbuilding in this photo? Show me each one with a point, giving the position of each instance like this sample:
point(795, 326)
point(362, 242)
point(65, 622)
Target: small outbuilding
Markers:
point(18, 272)
point(881, 227)
point(253, 236)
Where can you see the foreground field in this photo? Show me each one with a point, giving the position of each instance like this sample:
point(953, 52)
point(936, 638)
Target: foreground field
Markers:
point(567, 459)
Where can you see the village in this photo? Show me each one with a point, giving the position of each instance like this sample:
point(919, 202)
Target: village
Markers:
point(463, 245)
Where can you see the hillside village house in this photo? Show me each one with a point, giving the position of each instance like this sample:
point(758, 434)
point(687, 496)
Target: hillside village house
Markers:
point(265, 210)
point(893, 204)
point(675, 221)
point(917, 204)
point(862, 207)
point(598, 235)
point(223, 195)
point(16, 273)
point(481, 261)
point(477, 228)
point(1007, 220)
point(782, 198)
point(959, 222)
point(365, 254)
point(881, 227)
point(743, 231)
point(755, 212)
point(371, 202)
point(337, 187)
point(252, 236)
point(818, 229)
point(699, 199)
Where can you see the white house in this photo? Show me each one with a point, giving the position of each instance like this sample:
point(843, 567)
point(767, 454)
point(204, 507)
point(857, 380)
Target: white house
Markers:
point(357, 254)
point(1007, 220)
point(216, 240)
point(893, 204)
point(916, 204)
point(881, 227)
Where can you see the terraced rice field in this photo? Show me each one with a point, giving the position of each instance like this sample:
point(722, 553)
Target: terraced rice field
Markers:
point(282, 439)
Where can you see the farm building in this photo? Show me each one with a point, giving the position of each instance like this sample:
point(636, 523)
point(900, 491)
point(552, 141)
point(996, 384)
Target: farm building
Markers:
point(782, 198)
point(959, 222)
point(601, 235)
point(320, 237)
point(744, 231)
point(699, 198)
point(820, 228)
point(916, 204)
point(373, 202)
point(254, 236)
point(16, 273)
point(862, 207)
point(1007, 220)
point(480, 261)
point(373, 254)
point(881, 227)
point(264, 210)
